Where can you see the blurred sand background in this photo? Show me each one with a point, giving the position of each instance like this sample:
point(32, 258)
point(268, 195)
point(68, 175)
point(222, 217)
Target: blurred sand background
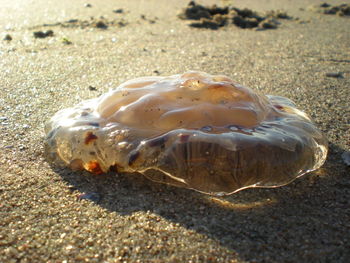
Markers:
point(133, 219)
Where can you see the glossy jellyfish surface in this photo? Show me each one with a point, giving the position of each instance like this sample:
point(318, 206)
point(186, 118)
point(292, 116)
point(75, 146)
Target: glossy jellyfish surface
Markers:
point(195, 130)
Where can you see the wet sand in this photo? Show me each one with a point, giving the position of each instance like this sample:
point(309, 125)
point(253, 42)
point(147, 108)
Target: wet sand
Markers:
point(130, 219)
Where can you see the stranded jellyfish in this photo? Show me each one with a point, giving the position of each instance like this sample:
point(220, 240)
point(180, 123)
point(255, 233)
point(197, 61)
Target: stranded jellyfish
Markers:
point(193, 130)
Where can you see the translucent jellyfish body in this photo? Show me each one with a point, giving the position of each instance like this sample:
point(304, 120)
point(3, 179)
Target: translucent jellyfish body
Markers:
point(193, 130)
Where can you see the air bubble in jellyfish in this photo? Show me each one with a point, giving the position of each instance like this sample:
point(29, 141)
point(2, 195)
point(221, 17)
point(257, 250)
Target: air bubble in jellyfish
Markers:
point(193, 130)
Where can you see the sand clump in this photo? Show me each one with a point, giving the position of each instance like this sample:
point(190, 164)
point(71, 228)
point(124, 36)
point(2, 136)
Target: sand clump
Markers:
point(325, 8)
point(215, 17)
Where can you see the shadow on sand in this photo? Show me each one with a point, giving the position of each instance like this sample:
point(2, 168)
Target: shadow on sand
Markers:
point(294, 223)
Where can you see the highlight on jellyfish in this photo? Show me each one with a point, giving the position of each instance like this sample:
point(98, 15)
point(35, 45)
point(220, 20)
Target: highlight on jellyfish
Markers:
point(194, 130)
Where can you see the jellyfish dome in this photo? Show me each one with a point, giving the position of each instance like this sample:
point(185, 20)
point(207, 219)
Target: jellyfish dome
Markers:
point(194, 130)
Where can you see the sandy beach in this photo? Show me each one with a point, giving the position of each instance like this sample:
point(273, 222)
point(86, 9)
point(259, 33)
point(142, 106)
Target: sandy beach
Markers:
point(51, 214)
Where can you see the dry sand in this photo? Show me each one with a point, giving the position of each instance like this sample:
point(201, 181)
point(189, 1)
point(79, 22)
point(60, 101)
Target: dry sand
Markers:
point(136, 220)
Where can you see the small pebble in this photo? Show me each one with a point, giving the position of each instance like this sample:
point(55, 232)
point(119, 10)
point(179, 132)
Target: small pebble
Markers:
point(92, 196)
point(118, 11)
point(346, 158)
point(8, 37)
point(87, 5)
point(101, 24)
point(325, 5)
point(41, 34)
point(338, 75)
point(72, 21)
point(92, 88)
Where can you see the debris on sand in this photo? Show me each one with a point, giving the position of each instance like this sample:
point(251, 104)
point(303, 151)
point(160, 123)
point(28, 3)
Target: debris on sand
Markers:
point(151, 21)
point(215, 17)
point(66, 41)
point(101, 23)
point(340, 10)
point(42, 34)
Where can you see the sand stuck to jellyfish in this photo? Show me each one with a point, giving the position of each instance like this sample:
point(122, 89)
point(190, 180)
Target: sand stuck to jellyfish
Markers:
point(195, 130)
